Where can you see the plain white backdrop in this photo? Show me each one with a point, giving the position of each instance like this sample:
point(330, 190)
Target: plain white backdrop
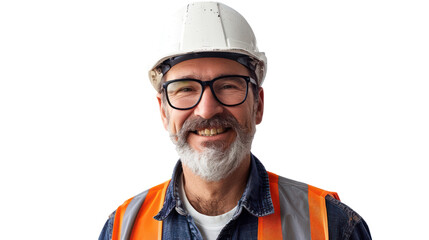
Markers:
point(346, 108)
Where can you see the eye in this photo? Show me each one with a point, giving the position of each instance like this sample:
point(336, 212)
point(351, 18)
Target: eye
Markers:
point(227, 86)
point(183, 88)
point(230, 84)
point(186, 89)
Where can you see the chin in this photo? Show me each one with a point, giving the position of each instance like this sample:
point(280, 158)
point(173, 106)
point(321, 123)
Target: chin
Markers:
point(214, 162)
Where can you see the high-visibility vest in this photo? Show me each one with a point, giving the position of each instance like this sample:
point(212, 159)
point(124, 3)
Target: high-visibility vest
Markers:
point(134, 218)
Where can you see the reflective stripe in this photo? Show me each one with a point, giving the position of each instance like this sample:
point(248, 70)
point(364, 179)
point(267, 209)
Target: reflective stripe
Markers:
point(130, 215)
point(145, 226)
point(317, 212)
point(117, 223)
point(303, 210)
point(294, 209)
point(269, 227)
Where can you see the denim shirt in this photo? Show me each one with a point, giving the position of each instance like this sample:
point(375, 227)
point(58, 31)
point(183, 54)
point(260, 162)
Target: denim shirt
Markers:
point(255, 202)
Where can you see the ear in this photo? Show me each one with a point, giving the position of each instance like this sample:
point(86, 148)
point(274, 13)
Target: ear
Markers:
point(260, 107)
point(162, 111)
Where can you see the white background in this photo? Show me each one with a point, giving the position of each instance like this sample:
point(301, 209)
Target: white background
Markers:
point(346, 109)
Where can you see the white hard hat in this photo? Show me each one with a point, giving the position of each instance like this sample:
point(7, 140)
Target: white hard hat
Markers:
point(209, 29)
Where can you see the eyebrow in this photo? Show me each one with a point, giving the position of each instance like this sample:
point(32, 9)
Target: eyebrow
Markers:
point(193, 76)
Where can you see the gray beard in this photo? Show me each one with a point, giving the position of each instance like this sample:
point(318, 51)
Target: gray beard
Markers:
point(216, 161)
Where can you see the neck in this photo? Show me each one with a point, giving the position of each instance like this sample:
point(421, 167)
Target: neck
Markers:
point(216, 198)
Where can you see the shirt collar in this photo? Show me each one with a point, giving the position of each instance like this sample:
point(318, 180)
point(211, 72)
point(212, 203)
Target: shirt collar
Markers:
point(256, 198)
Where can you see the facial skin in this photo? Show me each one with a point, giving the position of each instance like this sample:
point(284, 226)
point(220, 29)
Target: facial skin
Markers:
point(246, 115)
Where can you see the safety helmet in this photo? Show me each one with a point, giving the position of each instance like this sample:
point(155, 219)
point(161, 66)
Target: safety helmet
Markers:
point(208, 29)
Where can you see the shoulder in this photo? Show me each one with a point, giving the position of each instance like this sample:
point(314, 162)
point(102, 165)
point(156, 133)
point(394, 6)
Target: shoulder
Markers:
point(344, 222)
point(106, 232)
point(130, 209)
point(137, 200)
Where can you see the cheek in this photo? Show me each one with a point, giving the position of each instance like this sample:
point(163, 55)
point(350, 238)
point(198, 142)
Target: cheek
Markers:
point(243, 116)
point(176, 118)
point(249, 112)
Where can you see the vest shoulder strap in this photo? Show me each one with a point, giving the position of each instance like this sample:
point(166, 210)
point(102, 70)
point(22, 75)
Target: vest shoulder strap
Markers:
point(270, 226)
point(119, 216)
point(317, 212)
point(145, 226)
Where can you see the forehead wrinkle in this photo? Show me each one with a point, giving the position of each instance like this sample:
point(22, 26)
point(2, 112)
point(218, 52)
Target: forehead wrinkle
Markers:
point(192, 73)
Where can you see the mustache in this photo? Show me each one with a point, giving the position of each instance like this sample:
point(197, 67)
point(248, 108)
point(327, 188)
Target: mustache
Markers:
point(194, 123)
point(218, 120)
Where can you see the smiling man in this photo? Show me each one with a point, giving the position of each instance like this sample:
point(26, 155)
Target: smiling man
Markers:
point(211, 99)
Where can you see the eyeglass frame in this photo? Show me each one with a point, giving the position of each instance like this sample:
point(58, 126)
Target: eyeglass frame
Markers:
point(209, 83)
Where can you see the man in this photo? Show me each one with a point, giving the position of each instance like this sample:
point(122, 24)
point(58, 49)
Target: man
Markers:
point(210, 99)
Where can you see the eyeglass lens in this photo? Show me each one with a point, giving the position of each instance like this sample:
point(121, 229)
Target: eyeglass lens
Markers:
point(186, 93)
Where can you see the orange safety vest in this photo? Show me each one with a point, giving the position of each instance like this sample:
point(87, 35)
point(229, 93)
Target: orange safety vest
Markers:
point(145, 227)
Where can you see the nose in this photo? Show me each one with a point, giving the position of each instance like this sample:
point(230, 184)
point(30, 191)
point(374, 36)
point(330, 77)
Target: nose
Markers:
point(208, 105)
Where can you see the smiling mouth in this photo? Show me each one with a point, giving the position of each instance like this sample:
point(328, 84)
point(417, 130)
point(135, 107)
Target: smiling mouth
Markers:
point(209, 132)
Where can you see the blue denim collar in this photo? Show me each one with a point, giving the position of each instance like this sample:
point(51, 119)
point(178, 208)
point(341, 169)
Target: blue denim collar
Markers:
point(256, 198)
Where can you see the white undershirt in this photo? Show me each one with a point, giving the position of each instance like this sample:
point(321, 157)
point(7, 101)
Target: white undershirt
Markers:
point(209, 226)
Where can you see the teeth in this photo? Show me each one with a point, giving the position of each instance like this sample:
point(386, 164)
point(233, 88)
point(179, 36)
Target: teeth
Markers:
point(210, 131)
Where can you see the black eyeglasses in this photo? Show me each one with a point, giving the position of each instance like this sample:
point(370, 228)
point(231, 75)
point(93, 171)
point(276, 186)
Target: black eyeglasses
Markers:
point(184, 94)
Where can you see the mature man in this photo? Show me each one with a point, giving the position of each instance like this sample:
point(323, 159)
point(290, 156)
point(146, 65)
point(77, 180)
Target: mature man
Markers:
point(210, 99)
